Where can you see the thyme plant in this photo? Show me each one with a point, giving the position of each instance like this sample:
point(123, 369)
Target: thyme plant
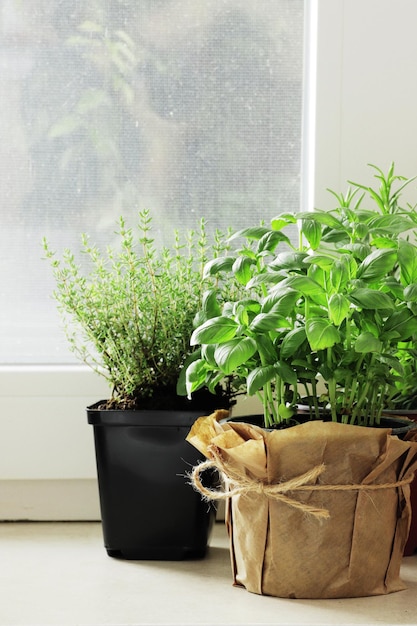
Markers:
point(129, 314)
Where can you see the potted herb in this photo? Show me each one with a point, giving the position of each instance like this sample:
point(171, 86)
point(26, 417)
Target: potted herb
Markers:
point(128, 314)
point(331, 299)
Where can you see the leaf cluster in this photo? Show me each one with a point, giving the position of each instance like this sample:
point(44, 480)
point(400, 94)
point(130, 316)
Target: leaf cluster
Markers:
point(326, 319)
point(128, 311)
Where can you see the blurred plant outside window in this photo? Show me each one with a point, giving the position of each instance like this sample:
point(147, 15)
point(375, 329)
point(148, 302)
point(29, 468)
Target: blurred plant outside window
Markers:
point(189, 108)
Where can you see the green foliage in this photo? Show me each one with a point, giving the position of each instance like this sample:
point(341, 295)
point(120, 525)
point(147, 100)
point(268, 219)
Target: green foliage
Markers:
point(328, 321)
point(130, 314)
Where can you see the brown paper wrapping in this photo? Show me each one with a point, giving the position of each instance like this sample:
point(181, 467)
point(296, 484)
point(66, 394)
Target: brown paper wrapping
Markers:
point(280, 550)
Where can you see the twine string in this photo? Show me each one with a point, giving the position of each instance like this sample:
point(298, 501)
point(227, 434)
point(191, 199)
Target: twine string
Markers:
point(243, 485)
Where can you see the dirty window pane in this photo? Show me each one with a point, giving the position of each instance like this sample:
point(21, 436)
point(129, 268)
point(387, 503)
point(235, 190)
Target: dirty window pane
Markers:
point(189, 108)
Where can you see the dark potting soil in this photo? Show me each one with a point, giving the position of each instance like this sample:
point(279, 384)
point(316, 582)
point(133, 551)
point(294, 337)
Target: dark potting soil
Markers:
point(166, 398)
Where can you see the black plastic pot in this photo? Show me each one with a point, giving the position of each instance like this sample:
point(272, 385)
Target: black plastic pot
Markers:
point(399, 425)
point(148, 509)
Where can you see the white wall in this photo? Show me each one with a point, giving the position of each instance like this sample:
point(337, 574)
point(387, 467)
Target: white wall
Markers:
point(47, 462)
point(366, 91)
point(365, 113)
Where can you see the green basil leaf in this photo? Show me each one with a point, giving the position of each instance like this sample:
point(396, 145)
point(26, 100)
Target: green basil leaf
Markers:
point(289, 261)
point(207, 353)
point(195, 376)
point(371, 299)
point(282, 220)
point(258, 378)
point(270, 241)
point(215, 330)
point(280, 302)
point(311, 230)
point(231, 354)
point(341, 271)
point(339, 307)
point(268, 321)
point(220, 264)
point(366, 342)
point(321, 334)
point(286, 373)
point(292, 342)
point(322, 260)
point(303, 284)
point(377, 264)
point(242, 269)
point(403, 322)
point(393, 224)
point(410, 293)
point(407, 259)
point(210, 304)
point(254, 232)
point(322, 217)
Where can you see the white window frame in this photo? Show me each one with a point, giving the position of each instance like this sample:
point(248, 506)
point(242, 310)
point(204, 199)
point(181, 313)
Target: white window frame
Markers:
point(47, 461)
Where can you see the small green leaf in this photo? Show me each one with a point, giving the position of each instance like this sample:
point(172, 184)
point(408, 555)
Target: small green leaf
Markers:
point(280, 302)
point(361, 230)
point(217, 265)
point(210, 304)
point(393, 224)
point(285, 412)
point(215, 330)
point(371, 299)
point(268, 321)
point(242, 269)
point(359, 250)
point(340, 273)
point(366, 342)
point(322, 217)
point(245, 310)
point(394, 363)
point(266, 348)
point(231, 354)
point(394, 286)
point(259, 377)
point(292, 342)
point(321, 334)
point(270, 241)
point(207, 353)
point(402, 322)
point(289, 261)
point(303, 284)
point(324, 261)
point(195, 375)
point(311, 230)
point(182, 378)
point(265, 278)
point(339, 307)
point(407, 258)
point(286, 373)
point(377, 264)
point(410, 293)
point(254, 232)
point(282, 220)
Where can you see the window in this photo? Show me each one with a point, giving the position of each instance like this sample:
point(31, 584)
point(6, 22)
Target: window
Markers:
point(191, 108)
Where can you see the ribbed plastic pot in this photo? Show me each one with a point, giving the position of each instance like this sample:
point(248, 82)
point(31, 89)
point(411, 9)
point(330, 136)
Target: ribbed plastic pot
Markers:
point(148, 509)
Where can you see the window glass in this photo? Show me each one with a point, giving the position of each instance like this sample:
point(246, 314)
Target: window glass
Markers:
point(190, 108)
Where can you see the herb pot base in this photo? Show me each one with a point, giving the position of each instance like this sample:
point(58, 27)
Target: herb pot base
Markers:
point(320, 510)
point(148, 509)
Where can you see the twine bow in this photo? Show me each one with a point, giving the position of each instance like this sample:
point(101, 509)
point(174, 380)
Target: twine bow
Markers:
point(243, 485)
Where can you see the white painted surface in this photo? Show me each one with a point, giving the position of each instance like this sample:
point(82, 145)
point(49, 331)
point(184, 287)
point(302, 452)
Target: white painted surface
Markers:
point(366, 92)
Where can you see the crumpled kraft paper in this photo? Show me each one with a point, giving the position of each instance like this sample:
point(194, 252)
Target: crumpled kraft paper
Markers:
point(341, 533)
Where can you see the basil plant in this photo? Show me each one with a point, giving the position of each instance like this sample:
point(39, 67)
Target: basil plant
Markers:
point(328, 306)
